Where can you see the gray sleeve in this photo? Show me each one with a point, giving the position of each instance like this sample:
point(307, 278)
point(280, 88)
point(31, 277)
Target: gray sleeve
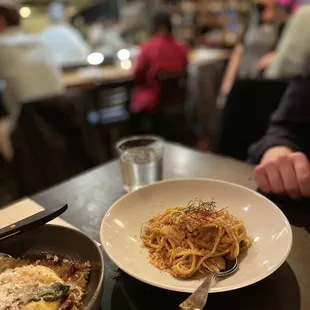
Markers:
point(293, 48)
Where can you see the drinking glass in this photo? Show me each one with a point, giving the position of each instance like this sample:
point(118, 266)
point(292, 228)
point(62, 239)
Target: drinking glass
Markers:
point(141, 160)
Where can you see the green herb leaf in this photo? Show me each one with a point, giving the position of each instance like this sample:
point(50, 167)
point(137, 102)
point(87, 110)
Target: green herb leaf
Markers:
point(198, 205)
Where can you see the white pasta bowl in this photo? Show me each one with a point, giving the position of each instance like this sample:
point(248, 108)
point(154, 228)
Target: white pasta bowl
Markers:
point(266, 224)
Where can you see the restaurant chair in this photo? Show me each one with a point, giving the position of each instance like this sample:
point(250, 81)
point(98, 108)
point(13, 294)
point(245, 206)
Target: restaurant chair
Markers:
point(8, 188)
point(109, 112)
point(244, 118)
point(168, 121)
point(170, 116)
point(52, 142)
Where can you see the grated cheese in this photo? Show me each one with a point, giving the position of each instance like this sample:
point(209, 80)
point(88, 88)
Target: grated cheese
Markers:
point(19, 285)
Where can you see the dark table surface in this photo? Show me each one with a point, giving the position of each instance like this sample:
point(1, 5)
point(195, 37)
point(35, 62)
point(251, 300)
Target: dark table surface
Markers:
point(90, 195)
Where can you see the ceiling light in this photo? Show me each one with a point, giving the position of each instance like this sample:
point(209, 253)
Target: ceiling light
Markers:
point(95, 59)
point(25, 12)
point(123, 54)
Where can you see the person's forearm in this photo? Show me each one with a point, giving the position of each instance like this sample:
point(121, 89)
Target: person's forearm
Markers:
point(232, 69)
point(276, 137)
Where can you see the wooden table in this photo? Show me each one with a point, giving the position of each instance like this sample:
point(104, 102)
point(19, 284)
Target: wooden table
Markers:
point(91, 194)
point(104, 75)
point(118, 73)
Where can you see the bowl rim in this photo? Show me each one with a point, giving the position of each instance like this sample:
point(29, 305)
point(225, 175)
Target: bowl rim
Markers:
point(97, 293)
point(215, 290)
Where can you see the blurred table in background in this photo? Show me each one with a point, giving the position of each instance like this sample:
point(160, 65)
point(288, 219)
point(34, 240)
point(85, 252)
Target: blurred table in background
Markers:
point(206, 69)
point(88, 77)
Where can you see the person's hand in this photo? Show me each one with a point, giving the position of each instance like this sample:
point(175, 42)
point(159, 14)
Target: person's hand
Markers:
point(266, 61)
point(283, 171)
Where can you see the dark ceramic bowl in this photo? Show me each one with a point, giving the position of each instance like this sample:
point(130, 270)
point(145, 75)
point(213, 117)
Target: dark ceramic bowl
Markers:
point(65, 242)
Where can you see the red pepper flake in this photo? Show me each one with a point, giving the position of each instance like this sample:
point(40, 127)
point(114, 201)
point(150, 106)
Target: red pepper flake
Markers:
point(67, 303)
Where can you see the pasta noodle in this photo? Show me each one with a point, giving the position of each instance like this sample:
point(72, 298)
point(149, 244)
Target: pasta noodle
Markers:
point(185, 241)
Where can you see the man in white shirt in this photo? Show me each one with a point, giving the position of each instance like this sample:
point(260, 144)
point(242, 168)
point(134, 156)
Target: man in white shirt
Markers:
point(26, 65)
point(64, 41)
point(25, 62)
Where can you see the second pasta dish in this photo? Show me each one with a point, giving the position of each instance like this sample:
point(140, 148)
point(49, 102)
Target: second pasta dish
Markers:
point(43, 283)
point(187, 241)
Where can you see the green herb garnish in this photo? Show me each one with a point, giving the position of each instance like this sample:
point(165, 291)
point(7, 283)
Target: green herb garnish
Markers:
point(198, 205)
point(51, 293)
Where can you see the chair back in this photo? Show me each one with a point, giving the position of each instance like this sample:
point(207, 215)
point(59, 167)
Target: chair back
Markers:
point(173, 90)
point(111, 101)
point(170, 115)
point(109, 111)
point(53, 142)
point(245, 116)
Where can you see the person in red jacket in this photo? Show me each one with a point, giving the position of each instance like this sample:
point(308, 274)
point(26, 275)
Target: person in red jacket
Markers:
point(160, 53)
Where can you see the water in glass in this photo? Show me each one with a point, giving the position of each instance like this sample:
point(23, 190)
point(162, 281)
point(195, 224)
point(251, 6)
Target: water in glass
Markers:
point(140, 165)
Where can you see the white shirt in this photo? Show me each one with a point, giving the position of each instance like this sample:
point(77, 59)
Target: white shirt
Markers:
point(67, 44)
point(28, 70)
point(106, 40)
point(95, 34)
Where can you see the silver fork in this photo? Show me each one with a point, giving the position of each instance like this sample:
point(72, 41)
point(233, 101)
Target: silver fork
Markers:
point(198, 299)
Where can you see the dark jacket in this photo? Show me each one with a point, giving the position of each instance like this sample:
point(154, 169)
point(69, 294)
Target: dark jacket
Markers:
point(290, 124)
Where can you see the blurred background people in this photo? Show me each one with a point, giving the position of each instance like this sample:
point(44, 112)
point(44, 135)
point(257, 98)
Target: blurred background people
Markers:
point(105, 36)
point(26, 64)
point(135, 22)
point(293, 48)
point(63, 40)
point(255, 50)
point(32, 68)
point(160, 53)
point(95, 33)
point(283, 153)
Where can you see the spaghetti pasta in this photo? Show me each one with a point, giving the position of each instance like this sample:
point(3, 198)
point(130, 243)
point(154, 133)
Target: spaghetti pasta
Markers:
point(185, 241)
